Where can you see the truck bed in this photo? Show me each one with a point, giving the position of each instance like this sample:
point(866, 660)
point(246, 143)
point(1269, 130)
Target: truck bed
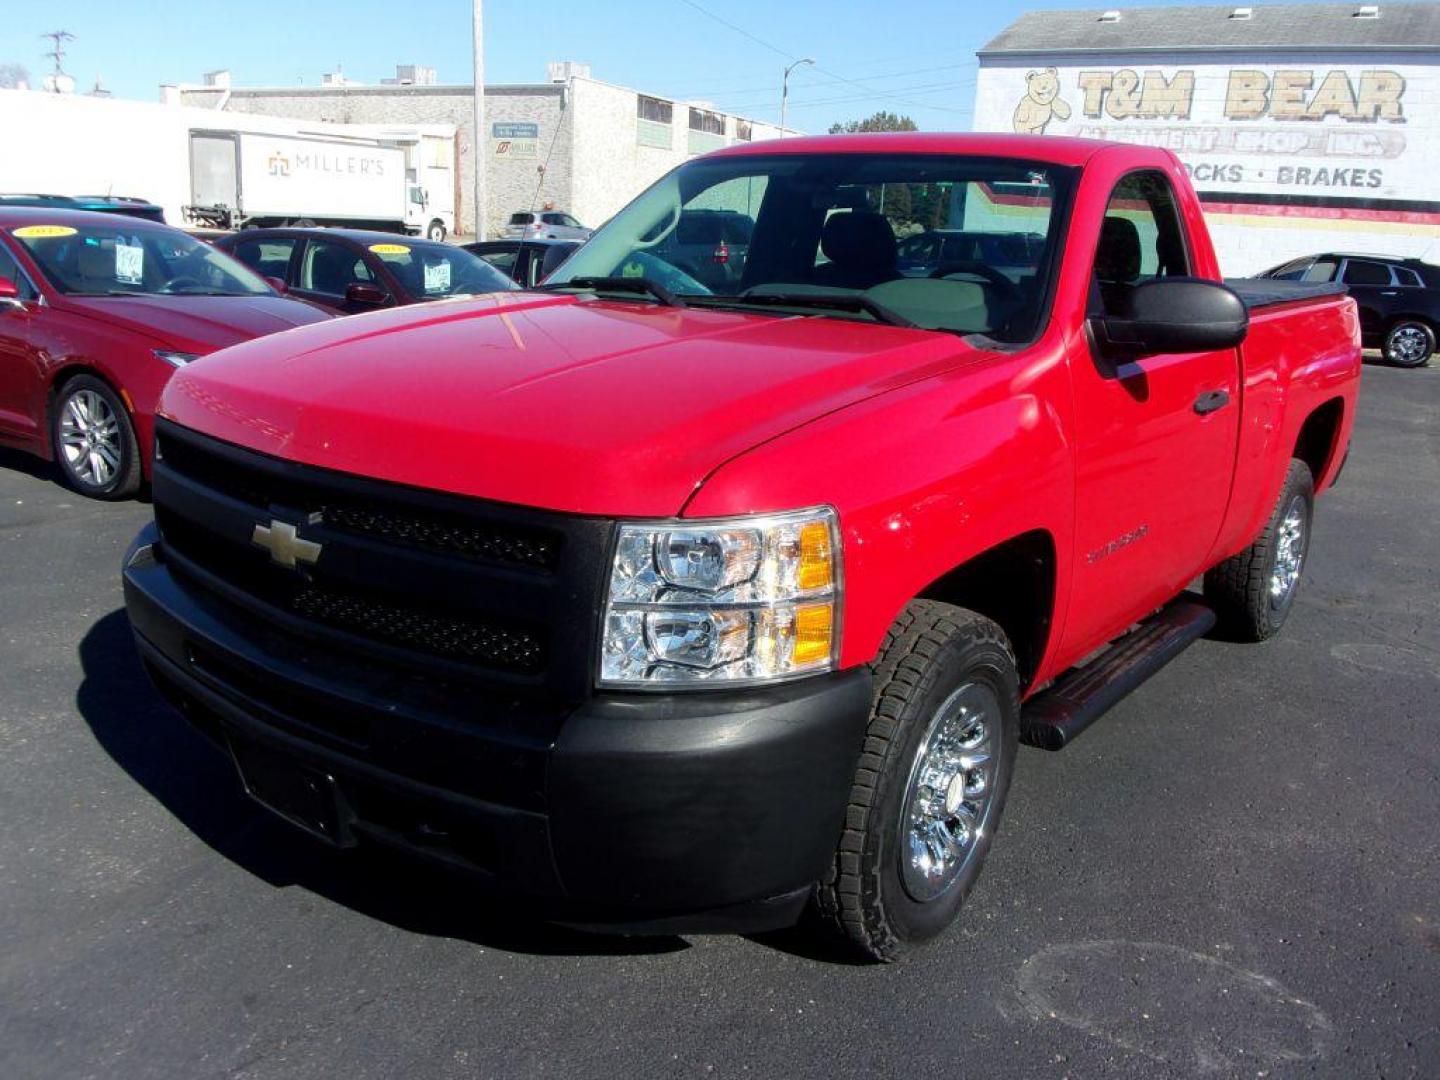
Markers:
point(1267, 292)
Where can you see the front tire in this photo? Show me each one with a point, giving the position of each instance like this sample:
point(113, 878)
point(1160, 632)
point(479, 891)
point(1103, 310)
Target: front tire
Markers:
point(436, 232)
point(1409, 344)
point(931, 782)
point(93, 440)
point(1252, 592)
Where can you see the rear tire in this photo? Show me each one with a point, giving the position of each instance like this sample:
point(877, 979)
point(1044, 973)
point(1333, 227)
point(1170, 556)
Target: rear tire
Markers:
point(1409, 344)
point(93, 440)
point(1252, 592)
point(931, 781)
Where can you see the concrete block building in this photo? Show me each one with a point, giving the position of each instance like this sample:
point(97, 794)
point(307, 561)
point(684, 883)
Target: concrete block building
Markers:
point(572, 143)
point(1305, 127)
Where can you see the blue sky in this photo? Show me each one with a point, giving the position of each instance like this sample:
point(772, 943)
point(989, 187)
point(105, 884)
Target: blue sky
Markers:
point(916, 58)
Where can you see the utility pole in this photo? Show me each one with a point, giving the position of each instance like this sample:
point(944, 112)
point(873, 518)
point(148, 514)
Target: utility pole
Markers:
point(57, 53)
point(784, 88)
point(479, 143)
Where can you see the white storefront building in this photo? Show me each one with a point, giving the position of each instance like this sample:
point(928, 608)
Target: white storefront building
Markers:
point(1305, 128)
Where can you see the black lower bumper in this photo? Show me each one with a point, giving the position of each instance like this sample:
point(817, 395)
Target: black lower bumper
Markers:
point(713, 810)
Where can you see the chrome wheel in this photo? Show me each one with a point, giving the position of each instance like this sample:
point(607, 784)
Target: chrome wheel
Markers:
point(1408, 345)
point(1290, 544)
point(90, 439)
point(948, 798)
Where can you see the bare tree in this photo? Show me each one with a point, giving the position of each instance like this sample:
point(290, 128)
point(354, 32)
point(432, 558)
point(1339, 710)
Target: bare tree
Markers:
point(14, 75)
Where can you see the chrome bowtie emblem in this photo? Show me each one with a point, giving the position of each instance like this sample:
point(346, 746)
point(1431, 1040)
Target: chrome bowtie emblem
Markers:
point(285, 544)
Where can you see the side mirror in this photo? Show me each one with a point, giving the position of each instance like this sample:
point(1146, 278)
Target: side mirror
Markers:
point(277, 284)
point(10, 295)
point(358, 292)
point(1172, 315)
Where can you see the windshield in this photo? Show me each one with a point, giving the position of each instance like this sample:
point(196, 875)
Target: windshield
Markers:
point(126, 259)
point(946, 243)
point(434, 271)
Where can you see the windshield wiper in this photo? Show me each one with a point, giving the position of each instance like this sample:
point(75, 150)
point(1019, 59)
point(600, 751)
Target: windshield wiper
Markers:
point(618, 284)
point(843, 301)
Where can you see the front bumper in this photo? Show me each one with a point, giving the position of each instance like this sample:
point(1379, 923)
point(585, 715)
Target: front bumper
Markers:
point(714, 810)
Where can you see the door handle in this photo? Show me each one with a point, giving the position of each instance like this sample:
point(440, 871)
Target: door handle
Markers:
point(1212, 400)
point(1389, 292)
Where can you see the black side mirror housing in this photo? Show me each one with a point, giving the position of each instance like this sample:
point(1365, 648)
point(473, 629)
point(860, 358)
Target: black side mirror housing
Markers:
point(1171, 315)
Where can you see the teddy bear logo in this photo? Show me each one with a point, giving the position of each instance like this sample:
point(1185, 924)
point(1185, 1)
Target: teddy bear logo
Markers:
point(1041, 104)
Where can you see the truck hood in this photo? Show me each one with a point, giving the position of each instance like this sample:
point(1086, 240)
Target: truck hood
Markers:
point(200, 324)
point(581, 405)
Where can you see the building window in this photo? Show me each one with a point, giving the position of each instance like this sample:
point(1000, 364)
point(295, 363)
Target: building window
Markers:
point(742, 131)
point(652, 122)
point(653, 109)
point(707, 131)
point(709, 122)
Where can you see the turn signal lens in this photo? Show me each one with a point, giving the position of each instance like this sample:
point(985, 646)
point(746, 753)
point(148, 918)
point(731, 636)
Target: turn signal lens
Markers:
point(814, 632)
point(816, 565)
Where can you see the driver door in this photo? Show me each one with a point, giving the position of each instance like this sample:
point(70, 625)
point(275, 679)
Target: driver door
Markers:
point(21, 376)
point(1155, 438)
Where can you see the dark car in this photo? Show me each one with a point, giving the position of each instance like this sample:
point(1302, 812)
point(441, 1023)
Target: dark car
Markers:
point(940, 252)
point(349, 270)
point(1399, 299)
point(96, 313)
point(527, 262)
point(104, 204)
point(709, 245)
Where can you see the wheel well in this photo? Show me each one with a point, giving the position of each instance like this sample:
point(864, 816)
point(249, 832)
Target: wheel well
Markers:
point(1013, 584)
point(1316, 443)
point(57, 383)
point(1395, 320)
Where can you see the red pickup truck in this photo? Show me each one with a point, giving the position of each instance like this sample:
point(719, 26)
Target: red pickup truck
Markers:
point(678, 607)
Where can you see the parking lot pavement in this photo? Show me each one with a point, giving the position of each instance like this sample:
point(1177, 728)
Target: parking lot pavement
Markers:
point(1237, 872)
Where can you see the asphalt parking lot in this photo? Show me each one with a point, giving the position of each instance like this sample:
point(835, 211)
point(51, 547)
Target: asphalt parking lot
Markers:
point(1237, 872)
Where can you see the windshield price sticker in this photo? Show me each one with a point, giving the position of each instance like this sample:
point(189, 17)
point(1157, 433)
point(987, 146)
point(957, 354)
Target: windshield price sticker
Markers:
point(43, 232)
point(390, 249)
point(437, 276)
point(129, 263)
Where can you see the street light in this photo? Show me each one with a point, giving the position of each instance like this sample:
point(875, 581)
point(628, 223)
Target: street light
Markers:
point(785, 90)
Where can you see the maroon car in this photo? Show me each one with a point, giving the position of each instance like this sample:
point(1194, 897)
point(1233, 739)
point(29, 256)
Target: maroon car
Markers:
point(351, 270)
point(96, 313)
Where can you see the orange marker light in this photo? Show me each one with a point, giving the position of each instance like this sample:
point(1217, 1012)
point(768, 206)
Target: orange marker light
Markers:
point(817, 564)
point(814, 626)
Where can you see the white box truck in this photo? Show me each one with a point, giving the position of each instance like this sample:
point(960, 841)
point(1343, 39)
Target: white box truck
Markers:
point(242, 179)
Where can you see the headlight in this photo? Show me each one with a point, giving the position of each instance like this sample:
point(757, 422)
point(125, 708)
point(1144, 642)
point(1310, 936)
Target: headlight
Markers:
point(179, 359)
point(741, 600)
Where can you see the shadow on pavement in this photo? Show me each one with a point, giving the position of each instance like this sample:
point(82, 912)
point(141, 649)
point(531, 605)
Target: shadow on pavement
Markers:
point(29, 464)
point(197, 783)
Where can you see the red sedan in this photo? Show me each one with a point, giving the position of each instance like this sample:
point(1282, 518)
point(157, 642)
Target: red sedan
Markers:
point(96, 313)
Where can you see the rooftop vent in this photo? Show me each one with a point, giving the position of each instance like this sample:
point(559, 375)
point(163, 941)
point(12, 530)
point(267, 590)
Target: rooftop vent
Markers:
point(1110, 16)
point(1367, 11)
point(1242, 13)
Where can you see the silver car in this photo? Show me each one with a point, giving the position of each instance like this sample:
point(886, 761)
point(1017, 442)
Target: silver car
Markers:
point(544, 225)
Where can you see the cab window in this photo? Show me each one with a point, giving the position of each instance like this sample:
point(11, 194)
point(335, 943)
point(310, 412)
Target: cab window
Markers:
point(1365, 272)
point(1140, 238)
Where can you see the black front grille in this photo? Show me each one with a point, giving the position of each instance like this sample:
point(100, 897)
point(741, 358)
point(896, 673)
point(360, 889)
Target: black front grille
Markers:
point(429, 530)
point(414, 577)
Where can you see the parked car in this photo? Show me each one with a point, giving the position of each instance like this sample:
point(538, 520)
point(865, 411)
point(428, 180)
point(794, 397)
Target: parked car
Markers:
point(938, 251)
point(105, 204)
point(686, 610)
point(96, 314)
point(546, 225)
point(527, 262)
point(348, 270)
point(1399, 299)
point(708, 245)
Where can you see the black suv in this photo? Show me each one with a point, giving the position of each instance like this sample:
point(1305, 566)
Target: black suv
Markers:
point(1399, 299)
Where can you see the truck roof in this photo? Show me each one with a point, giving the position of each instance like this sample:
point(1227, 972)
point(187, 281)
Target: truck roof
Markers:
point(1049, 149)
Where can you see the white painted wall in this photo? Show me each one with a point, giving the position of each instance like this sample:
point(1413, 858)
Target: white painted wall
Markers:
point(1252, 125)
point(61, 144)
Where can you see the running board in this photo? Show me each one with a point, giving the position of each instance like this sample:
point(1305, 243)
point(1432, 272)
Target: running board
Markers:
point(1054, 717)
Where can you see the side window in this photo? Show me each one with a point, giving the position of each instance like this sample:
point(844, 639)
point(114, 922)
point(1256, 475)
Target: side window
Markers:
point(9, 268)
point(1292, 271)
point(1364, 272)
point(567, 220)
point(502, 259)
point(1407, 277)
point(269, 258)
point(1320, 270)
point(552, 219)
point(330, 268)
point(1140, 238)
